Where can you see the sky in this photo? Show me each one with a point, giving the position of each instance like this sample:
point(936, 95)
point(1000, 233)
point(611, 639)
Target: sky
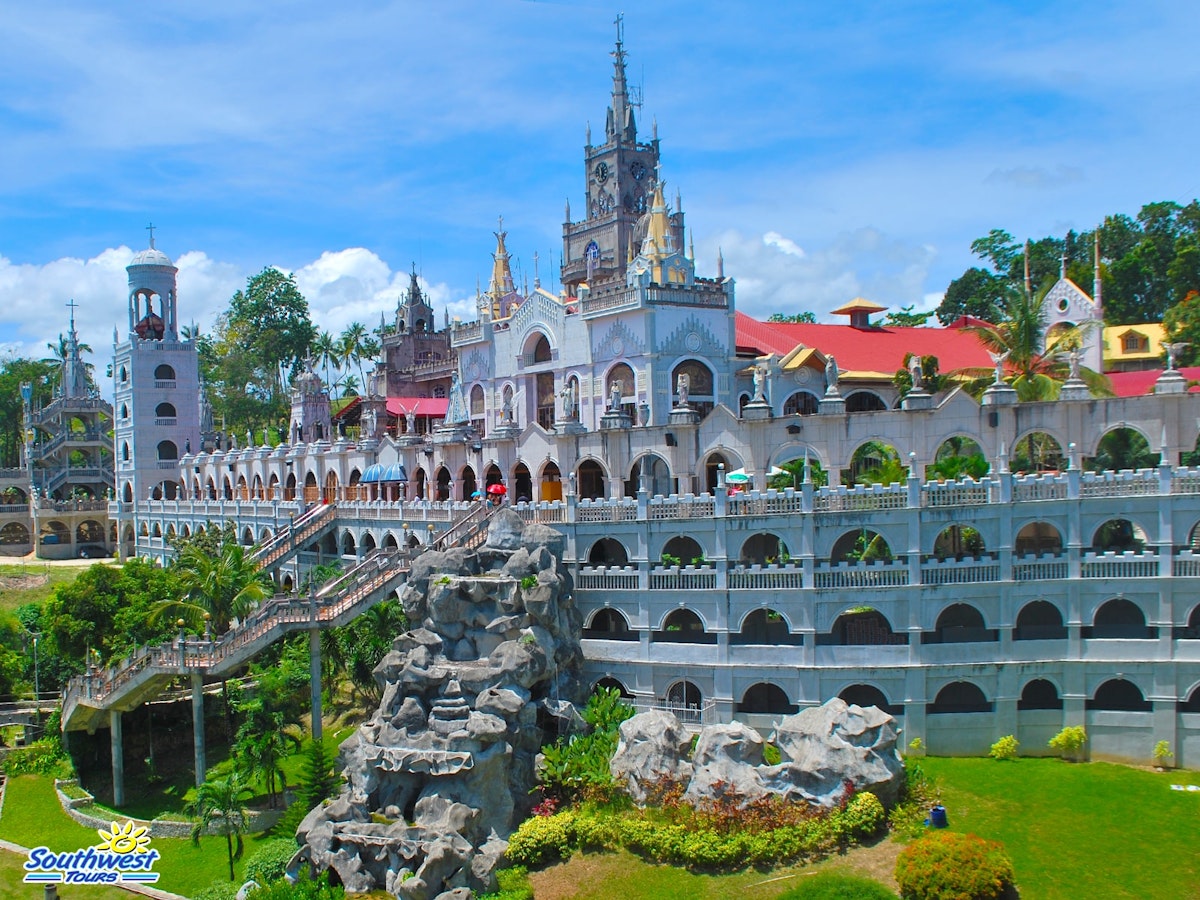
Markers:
point(828, 151)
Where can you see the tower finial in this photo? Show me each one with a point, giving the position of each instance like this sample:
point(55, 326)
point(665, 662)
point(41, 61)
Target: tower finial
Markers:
point(150, 228)
point(620, 125)
point(1062, 272)
point(537, 278)
point(720, 264)
point(1096, 276)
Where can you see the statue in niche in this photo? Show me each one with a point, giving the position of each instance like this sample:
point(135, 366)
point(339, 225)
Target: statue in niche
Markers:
point(760, 384)
point(410, 422)
point(614, 397)
point(456, 411)
point(683, 387)
point(569, 405)
point(371, 422)
point(507, 408)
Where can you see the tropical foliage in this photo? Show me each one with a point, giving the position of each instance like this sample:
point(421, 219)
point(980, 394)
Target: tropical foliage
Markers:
point(221, 587)
point(221, 803)
point(578, 765)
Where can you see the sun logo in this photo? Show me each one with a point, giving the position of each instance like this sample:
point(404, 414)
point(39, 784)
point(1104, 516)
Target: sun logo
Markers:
point(124, 839)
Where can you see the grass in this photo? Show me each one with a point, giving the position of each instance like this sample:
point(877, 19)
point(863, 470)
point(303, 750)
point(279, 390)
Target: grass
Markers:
point(1072, 830)
point(32, 817)
point(11, 884)
point(34, 582)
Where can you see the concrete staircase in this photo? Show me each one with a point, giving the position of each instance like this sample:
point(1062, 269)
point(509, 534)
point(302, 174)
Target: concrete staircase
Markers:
point(88, 699)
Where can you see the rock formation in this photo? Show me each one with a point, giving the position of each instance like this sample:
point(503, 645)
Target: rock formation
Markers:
point(821, 749)
point(441, 774)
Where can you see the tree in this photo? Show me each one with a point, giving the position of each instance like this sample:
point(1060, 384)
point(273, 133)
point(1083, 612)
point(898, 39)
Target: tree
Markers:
point(1182, 324)
point(351, 346)
point(15, 371)
point(932, 382)
point(221, 802)
point(325, 352)
point(976, 293)
point(805, 317)
point(906, 318)
point(226, 585)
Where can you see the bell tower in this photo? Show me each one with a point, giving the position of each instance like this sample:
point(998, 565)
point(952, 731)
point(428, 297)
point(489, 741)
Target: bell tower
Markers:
point(619, 176)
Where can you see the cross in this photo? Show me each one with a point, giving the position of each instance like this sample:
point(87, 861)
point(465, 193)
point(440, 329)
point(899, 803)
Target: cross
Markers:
point(150, 228)
point(619, 21)
point(1063, 258)
point(72, 304)
point(501, 218)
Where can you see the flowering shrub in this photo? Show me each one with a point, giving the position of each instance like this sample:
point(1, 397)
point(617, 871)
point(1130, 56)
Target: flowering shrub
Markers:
point(547, 807)
point(1069, 741)
point(543, 839)
point(945, 865)
point(1005, 748)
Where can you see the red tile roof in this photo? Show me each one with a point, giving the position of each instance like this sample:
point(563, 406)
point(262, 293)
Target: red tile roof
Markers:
point(420, 406)
point(1135, 384)
point(865, 349)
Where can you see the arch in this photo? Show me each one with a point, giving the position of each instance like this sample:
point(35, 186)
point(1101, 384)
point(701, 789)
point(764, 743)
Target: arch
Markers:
point(1192, 703)
point(1119, 618)
point(522, 484)
point(55, 532)
point(711, 466)
point(658, 476)
point(273, 487)
point(801, 403)
point(591, 480)
point(875, 462)
point(622, 374)
point(419, 484)
point(1190, 631)
point(242, 492)
point(186, 532)
point(1121, 695)
point(127, 492)
point(609, 625)
point(14, 533)
point(248, 536)
point(348, 544)
point(125, 451)
point(264, 534)
point(163, 372)
point(311, 492)
point(865, 401)
point(165, 410)
point(608, 552)
point(684, 695)
point(702, 395)
point(537, 348)
point(1039, 694)
point(256, 487)
point(862, 627)
point(477, 403)
point(469, 486)
point(959, 542)
point(367, 542)
point(123, 375)
point(550, 483)
point(682, 550)
point(156, 531)
point(956, 457)
point(766, 698)
point(89, 531)
point(764, 548)
point(862, 545)
point(959, 697)
point(1039, 620)
point(867, 695)
point(683, 626)
point(766, 626)
point(608, 683)
point(390, 542)
point(14, 496)
point(959, 623)
point(227, 489)
point(167, 451)
point(492, 476)
point(1119, 536)
point(1124, 447)
point(1037, 451)
point(1036, 538)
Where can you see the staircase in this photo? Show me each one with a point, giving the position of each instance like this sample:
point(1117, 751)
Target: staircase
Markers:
point(87, 699)
point(309, 527)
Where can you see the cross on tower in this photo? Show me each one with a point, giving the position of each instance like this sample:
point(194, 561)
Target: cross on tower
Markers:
point(150, 228)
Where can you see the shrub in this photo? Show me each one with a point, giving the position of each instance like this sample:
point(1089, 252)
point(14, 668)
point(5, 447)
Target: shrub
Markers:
point(1005, 748)
point(571, 767)
point(542, 839)
point(219, 891)
point(1069, 741)
point(44, 757)
point(838, 886)
point(945, 865)
point(270, 860)
point(282, 889)
point(1162, 753)
point(512, 884)
point(863, 816)
point(771, 754)
point(907, 818)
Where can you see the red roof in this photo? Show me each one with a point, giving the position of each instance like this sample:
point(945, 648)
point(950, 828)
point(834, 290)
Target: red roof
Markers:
point(879, 349)
point(434, 407)
point(1136, 384)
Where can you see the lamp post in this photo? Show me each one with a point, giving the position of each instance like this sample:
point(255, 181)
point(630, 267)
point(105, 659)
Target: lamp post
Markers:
point(37, 684)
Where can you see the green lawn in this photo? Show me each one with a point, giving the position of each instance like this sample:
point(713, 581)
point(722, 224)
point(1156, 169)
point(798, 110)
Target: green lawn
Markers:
point(11, 884)
point(32, 817)
point(34, 582)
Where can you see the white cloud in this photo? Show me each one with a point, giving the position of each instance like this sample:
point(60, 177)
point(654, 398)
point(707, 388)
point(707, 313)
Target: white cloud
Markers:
point(786, 245)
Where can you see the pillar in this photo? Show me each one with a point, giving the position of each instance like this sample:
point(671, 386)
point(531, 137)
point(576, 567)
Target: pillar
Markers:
point(198, 726)
point(118, 757)
point(314, 674)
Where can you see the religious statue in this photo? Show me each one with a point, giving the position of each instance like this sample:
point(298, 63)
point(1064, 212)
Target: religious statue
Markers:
point(249, 439)
point(372, 422)
point(1173, 352)
point(410, 422)
point(614, 397)
point(456, 410)
point(760, 384)
point(831, 375)
point(683, 386)
point(998, 360)
point(918, 375)
point(507, 407)
point(568, 401)
point(1073, 363)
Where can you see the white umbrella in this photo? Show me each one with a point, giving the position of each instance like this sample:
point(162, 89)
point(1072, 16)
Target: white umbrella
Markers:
point(737, 477)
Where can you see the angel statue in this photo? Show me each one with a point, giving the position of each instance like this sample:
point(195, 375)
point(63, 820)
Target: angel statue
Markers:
point(998, 360)
point(1173, 352)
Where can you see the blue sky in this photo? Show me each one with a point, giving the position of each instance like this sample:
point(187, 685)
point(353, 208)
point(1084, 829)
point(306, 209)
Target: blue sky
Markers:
point(828, 152)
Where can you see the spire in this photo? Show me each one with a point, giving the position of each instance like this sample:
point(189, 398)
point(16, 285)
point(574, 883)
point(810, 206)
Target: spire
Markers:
point(678, 200)
point(654, 129)
point(1062, 271)
point(74, 375)
point(567, 211)
point(502, 279)
point(691, 247)
point(620, 125)
point(414, 289)
point(1096, 277)
point(588, 137)
point(537, 278)
point(720, 264)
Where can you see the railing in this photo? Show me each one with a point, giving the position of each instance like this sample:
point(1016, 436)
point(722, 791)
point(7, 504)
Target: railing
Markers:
point(1125, 483)
point(1186, 565)
point(1040, 568)
point(859, 575)
point(600, 510)
point(772, 503)
point(766, 578)
point(967, 492)
point(860, 497)
point(1130, 564)
point(689, 578)
point(299, 531)
point(965, 571)
point(605, 578)
point(470, 333)
point(690, 714)
point(687, 507)
point(1052, 486)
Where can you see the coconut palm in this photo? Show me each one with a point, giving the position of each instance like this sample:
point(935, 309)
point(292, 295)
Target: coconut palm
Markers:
point(221, 802)
point(225, 585)
point(326, 352)
point(351, 346)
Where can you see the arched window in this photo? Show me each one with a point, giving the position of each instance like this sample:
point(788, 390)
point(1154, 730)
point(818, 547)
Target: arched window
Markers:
point(682, 626)
point(164, 411)
point(609, 625)
point(959, 623)
point(1119, 618)
point(867, 695)
point(766, 627)
point(766, 698)
point(621, 374)
point(1040, 694)
point(541, 351)
point(163, 372)
point(658, 477)
point(1037, 538)
point(1039, 621)
point(863, 626)
point(167, 451)
point(1121, 695)
point(701, 391)
point(608, 552)
point(959, 697)
point(591, 480)
point(801, 403)
point(864, 401)
point(609, 683)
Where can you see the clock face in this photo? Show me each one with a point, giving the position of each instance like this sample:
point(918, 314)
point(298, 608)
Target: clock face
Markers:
point(638, 171)
point(601, 172)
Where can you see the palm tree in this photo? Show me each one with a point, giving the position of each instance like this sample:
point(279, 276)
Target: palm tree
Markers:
point(351, 345)
point(264, 741)
point(221, 801)
point(58, 358)
point(225, 585)
point(325, 350)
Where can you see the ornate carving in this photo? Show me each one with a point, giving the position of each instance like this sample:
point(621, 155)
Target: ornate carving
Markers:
point(692, 337)
point(617, 342)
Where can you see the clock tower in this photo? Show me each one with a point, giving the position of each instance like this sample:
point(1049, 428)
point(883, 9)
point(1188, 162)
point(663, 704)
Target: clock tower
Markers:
point(620, 178)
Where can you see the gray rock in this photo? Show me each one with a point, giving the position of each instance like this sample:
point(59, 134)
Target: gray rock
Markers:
point(725, 764)
point(504, 531)
point(652, 746)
